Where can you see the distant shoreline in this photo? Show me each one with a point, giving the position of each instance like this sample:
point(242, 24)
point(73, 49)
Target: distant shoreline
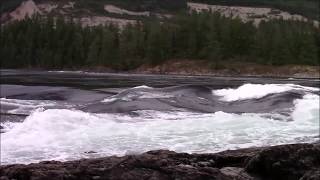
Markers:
point(232, 69)
point(201, 68)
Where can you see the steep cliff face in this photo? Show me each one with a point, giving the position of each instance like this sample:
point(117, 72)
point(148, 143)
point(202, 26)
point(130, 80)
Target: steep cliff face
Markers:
point(94, 12)
point(17, 10)
point(247, 13)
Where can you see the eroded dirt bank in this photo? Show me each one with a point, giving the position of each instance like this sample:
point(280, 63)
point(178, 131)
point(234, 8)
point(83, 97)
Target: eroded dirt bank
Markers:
point(297, 161)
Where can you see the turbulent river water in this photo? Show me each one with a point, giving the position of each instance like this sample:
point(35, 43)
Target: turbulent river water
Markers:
point(72, 115)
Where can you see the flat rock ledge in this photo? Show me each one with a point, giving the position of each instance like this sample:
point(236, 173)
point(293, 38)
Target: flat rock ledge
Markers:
point(284, 162)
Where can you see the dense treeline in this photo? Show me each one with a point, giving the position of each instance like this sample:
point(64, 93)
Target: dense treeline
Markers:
point(49, 43)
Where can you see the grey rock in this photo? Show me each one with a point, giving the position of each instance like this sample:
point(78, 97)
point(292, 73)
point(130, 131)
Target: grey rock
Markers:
point(285, 162)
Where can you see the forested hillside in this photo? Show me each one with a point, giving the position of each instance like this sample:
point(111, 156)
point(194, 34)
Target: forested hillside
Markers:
point(40, 42)
point(55, 40)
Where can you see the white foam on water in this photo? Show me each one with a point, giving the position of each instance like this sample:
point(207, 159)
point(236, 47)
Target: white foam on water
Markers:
point(109, 100)
point(142, 93)
point(138, 95)
point(66, 71)
point(6, 126)
point(61, 134)
point(27, 106)
point(253, 91)
point(142, 87)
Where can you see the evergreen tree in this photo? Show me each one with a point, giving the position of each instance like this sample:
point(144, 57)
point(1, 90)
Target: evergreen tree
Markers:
point(59, 43)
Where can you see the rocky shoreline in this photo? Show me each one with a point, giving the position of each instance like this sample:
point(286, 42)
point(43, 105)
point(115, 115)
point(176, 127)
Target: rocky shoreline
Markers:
point(203, 68)
point(291, 162)
point(193, 67)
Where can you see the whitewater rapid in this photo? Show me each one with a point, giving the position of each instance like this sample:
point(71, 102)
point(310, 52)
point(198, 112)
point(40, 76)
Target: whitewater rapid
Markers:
point(69, 133)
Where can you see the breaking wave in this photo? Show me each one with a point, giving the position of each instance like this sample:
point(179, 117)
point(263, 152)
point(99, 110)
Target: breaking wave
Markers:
point(189, 120)
point(254, 91)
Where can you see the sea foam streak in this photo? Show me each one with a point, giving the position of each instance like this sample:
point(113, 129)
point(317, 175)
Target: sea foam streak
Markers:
point(251, 91)
point(61, 134)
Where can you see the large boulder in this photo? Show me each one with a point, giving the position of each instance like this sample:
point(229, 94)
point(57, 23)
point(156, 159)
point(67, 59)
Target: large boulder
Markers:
point(286, 162)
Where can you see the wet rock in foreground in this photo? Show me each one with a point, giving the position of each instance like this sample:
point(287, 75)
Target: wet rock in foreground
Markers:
point(291, 162)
